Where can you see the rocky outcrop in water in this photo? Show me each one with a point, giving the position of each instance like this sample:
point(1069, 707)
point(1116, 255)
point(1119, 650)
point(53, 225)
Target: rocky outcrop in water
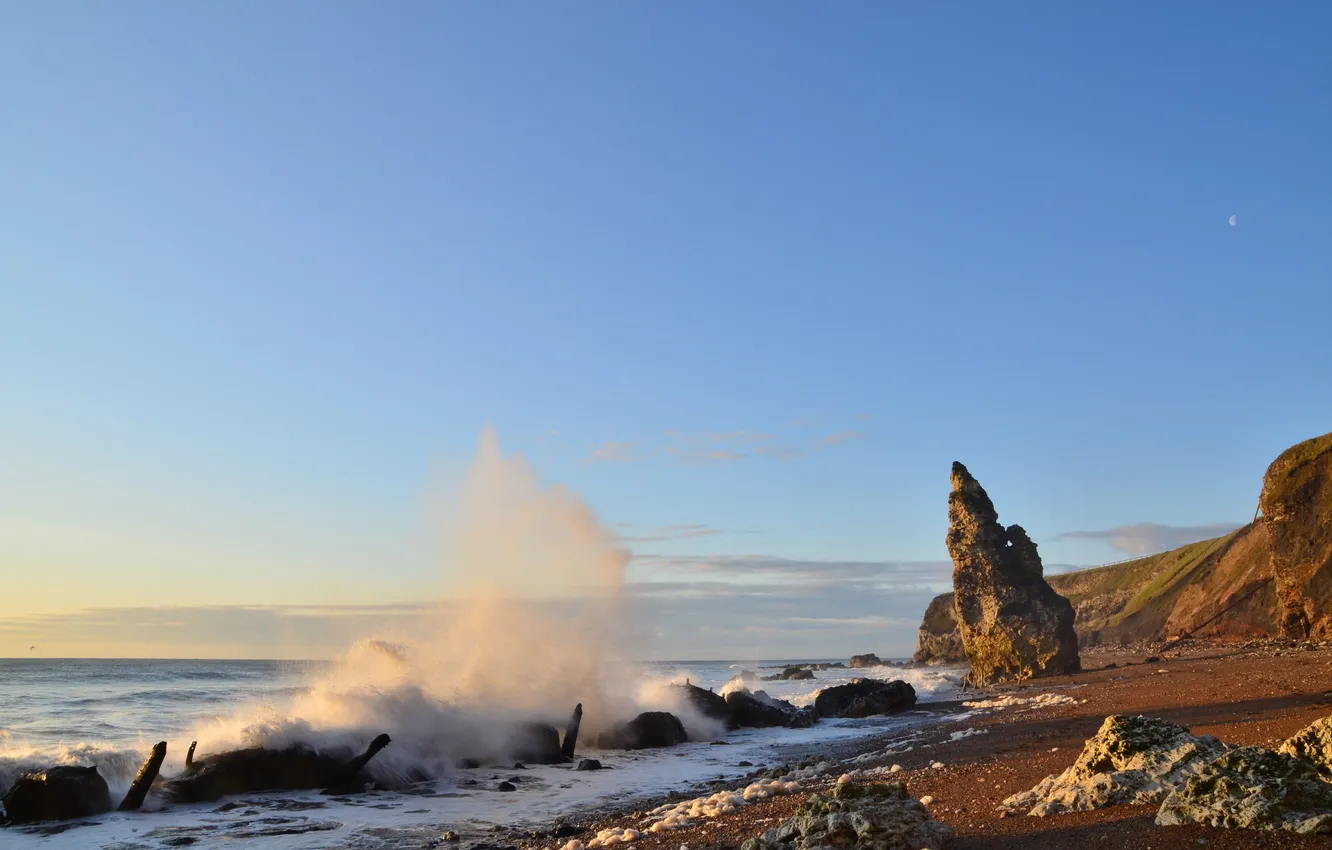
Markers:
point(864, 698)
point(535, 743)
point(648, 730)
point(57, 793)
point(790, 674)
point(1313, 743)
point(857, 817)
point(1253, 788)
point(295, 768)
point(869, 659)
point(1297, 511)
point(1130, 760)
point(1013, 625)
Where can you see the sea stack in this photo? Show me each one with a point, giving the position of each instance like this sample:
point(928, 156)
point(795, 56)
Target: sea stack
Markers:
point(1012, 623)
point(1297, 510)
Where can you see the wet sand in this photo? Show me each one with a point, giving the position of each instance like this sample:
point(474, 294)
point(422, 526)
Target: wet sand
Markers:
point(1256, 694)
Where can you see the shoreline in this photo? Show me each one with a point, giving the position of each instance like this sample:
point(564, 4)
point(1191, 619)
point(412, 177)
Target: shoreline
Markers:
point(1256, 693)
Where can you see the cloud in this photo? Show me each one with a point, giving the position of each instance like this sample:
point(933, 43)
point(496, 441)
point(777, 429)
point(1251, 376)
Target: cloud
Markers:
point(780, 452)
point(841, 438)
point(1145, 538)
point(612, 452)
point(666, 533)
point(746, 570)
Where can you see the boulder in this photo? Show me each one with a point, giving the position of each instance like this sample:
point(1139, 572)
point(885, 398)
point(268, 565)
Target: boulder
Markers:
point(857, 817)
point(864, 697)
point(1253, 788)
point(589, 764)
point(790, 674)
point(1296, 503)
point(295, 768)
point(752, 711)
point(1130, 760)
point(57, 793)
point(1013, 625)
point(938, 640)
point(537, 743)
point(1314, 744)
point(869, 659)
point(648, 730)
point(705, 702)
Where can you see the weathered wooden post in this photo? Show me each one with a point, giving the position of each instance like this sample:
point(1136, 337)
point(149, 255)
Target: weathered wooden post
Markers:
point(139, 788)
point(189, 757)
point(571, 733)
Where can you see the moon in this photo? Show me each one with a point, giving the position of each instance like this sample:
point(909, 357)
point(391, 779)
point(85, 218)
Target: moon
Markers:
point(1232, 220)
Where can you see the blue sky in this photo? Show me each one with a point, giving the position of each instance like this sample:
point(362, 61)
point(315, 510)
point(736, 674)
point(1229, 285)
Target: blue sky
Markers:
point(747, 278)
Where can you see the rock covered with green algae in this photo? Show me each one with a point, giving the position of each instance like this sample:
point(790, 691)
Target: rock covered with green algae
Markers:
point(881, 816)
point(1253, 788)
point(1314, 743)
point(1130, 760)
point(1013, 625)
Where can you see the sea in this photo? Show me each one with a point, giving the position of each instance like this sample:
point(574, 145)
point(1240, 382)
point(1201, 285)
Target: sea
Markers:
point(109, 713)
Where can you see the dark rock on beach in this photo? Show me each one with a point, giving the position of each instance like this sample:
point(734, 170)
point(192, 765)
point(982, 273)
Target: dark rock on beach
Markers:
point(1012, 623)
point(588, 764)
point(258, 769)
point(57, 793)
point(705, 702)
point(864, 698)
point(646, 731)
point(537, 743)
point(749, 710)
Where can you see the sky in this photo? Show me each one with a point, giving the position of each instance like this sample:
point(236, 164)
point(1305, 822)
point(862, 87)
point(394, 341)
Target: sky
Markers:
point(745, 277)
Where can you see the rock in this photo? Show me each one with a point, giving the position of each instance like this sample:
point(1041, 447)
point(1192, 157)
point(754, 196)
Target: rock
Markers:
point(705, 702)
point(1253, 788)
point(938, 641)
point(751, 711)
point(1013, 624)
point(863, 817)
point(1296, 503)
point(864, 697)
point(295, 768)
point(1133, 760)
point(57, 793)
point(588, 764)
point(869, 659)
point(1313, 743)
point(538, 743)
point(647, 730)
point(506, 786)
point(790, 674)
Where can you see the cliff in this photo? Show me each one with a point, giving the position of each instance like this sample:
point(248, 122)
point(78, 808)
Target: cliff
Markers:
point(1297, 510)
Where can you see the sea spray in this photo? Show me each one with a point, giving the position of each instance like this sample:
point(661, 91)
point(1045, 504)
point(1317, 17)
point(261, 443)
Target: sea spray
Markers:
point(532, 623)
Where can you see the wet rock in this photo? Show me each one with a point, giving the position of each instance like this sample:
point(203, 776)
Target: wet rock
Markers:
point(538, 743)
point(57, 793)
point(1013, 625)
point(589, 764)
point(1296, 503)
point(506, 786)
point(258, 769)
point(705, 702)
point(648, 730)
point(468, 764)
point(750, 711)
point(1253, 788)
point(790, 674)
point(863, 698)
point(1313, 743)
point(1130, 760)
point(869, 659)
point(864, 817)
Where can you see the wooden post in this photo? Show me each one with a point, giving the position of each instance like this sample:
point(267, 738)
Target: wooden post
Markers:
point(571, 733)
point(139, 788)
point(189, 757)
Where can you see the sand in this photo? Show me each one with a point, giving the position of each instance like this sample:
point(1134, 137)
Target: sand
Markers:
point(1258, 694)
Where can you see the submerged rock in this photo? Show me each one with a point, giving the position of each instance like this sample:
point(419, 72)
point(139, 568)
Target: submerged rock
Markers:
point(864, 698)
point(869, 659)
point(790, 674)
point(648, 730)
point(865, 817)
point(1297, 510)
point(1013, 625)
point(1253, 788)
point(1313, 743)
point(1130, 760)
point(57, 793)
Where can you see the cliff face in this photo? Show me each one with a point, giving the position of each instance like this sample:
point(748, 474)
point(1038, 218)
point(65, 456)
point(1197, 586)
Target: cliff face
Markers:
point(1012, 624)
point(939, 641)
point(1297, 510)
